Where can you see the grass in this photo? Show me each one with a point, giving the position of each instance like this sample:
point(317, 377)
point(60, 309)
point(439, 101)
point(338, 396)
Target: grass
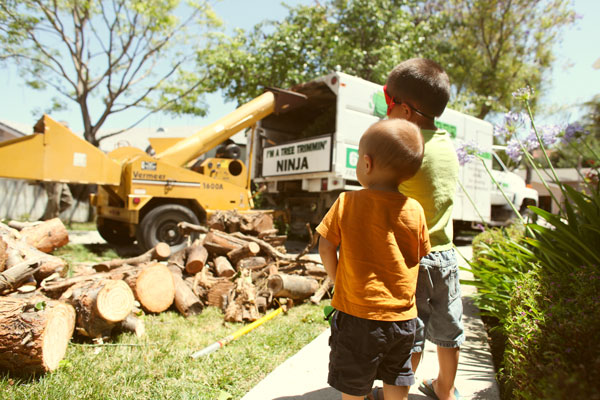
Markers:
point(158, 365)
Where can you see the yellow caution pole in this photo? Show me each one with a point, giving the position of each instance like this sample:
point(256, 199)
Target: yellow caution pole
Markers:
point(242, 331)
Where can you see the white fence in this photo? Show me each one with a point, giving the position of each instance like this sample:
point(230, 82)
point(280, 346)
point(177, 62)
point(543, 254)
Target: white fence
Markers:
point(23, 200)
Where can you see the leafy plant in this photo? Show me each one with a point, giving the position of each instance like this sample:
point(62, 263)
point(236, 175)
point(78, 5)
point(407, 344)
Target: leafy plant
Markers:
point(553, 333)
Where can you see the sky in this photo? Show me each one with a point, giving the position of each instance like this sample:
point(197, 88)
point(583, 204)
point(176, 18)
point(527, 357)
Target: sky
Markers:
point(574, 80)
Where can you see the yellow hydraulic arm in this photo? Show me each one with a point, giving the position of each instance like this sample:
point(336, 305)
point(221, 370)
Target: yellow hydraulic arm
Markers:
point(272, 101)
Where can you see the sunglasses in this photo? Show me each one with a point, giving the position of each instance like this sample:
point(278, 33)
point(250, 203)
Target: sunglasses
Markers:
point(391, 102)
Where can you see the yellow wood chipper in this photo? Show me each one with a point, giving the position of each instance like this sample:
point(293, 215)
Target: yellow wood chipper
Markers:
point(143, 197)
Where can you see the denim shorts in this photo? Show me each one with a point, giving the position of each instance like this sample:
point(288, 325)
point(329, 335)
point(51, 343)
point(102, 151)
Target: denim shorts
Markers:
point(439, 303)
point(364, 350)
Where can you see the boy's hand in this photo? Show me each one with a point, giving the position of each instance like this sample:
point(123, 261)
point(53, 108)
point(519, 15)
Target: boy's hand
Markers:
point(328, 253)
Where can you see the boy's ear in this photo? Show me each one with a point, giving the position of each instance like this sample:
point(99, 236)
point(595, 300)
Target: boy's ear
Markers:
point(368, 163)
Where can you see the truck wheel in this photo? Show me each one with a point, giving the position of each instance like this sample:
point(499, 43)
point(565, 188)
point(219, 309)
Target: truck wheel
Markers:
point(114, 232)
point(160, 225)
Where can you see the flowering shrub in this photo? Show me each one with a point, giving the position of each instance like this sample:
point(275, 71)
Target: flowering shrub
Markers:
point(544, 285)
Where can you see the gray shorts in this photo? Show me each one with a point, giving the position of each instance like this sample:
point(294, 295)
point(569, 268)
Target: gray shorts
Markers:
point(439, 302)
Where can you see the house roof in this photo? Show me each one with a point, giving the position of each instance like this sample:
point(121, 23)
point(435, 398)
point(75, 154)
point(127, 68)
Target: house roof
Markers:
point(4, 127)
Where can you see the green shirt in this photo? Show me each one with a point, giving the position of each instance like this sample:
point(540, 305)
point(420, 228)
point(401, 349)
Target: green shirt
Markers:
point(434, 186)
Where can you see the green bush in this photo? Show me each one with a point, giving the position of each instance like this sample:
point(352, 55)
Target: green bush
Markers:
point(499, 260)
point(553, 329)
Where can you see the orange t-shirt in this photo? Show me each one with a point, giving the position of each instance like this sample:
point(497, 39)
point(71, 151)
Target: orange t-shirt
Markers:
point(382, 236)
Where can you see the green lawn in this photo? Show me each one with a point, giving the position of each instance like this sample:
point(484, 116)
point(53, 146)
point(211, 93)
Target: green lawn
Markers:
point(158, 365)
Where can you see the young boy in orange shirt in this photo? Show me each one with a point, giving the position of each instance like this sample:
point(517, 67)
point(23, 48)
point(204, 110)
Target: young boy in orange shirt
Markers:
point(381, 235)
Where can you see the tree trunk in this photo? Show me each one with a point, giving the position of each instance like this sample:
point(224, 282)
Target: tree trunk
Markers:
point(153, 287)
point(196, 257)
point(47, 236)
point(223, 267)
point(292, 286)
point(222, 243)
point(100, 305)
point(34, 340)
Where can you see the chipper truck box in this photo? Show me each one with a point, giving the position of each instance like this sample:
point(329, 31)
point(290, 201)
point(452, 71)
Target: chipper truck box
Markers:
point(306, 157)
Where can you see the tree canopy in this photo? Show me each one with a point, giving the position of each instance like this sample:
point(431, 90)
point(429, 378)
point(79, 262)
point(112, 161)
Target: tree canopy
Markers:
point(110, 56)
point(488, 47)
point(365, 38)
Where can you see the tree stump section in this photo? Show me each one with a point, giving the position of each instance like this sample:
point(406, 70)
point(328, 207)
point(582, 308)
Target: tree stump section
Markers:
point(292, 286)
point(34, 340)
point(100, 304)
point(153, 287)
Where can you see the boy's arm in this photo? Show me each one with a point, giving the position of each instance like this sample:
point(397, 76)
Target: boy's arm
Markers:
point(328, 252)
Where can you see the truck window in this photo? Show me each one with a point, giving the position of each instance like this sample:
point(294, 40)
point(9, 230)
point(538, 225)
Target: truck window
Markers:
point(497, 165)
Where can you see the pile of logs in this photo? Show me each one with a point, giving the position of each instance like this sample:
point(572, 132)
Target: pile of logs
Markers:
point(237, 263)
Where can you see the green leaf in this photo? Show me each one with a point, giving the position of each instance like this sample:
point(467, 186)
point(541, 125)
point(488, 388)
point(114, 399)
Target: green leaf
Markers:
point(40, 305)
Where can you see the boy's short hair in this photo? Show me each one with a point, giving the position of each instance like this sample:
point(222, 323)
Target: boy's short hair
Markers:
point(423, 83)
point(396, 145)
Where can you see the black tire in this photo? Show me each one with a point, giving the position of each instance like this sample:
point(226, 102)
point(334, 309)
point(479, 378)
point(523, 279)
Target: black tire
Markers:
point(160, 225)
point(114, 232)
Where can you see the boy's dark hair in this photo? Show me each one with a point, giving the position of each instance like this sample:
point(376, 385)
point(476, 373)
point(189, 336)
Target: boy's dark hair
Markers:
point(421, 82)
point(395, 144)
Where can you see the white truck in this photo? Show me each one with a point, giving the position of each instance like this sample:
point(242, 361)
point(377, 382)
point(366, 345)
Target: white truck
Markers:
point(306, 157)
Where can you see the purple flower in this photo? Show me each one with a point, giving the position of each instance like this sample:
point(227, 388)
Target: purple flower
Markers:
point(524, 93)
point(549, 134)
point(513, 150)
point(466, 152)
point(574, 131)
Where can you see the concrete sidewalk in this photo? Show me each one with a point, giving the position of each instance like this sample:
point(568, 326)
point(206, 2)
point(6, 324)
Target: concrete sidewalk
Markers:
point(304, 375)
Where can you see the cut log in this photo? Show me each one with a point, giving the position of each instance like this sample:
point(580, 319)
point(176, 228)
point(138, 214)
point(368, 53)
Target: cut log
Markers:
point(160, 252)
point(250, 249)
point(292, 286)
point(196, 257)
point(324, 288)
point(3, 254)
point(266, 233)
point(18, 250)
point(275, 240)
point(257, 222)
point(223, 267)
point(153, 287)
point(132, 324)
point(19, 225)
point(47, 236)
point(186, 301)
point(251, 263)
point(222, 243)
point(12, 277)
point(34, 339)
point(100, 304)
point(266, 247)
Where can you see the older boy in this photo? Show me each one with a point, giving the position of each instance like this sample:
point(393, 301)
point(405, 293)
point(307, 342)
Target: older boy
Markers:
point(418, 90)
point(382, 236)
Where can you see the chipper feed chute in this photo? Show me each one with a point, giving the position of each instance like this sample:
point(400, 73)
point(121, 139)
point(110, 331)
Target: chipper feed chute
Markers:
point(54, 153)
